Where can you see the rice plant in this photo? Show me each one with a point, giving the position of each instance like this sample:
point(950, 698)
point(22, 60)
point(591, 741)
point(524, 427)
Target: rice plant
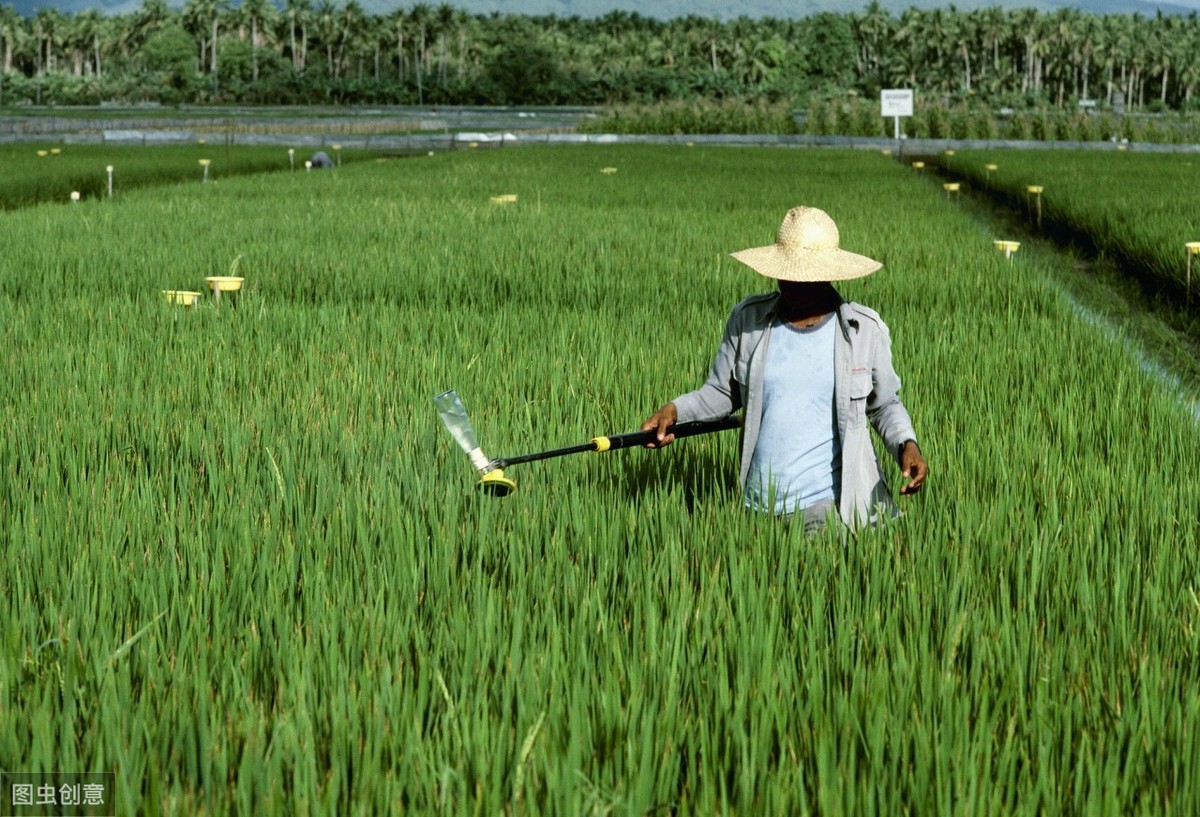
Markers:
point(1138, 208)
point(33, 174)
point(245, 570)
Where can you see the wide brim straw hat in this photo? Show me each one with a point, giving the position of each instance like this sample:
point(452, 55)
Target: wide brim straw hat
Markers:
point(807, 249)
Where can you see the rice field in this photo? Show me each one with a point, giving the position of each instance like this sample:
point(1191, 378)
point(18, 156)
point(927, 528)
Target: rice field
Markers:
point(55, 172)
point(246, 570)
point(1137, 208)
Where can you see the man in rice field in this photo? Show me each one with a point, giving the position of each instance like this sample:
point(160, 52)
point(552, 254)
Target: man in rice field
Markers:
point(809, 369)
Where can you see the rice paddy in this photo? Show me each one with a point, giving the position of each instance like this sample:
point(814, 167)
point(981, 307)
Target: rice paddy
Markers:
point(1138, 208)
point(61, 173)
point(246, 570)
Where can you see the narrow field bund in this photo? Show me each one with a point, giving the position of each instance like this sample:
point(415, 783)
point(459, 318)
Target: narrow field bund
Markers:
point(246, 570)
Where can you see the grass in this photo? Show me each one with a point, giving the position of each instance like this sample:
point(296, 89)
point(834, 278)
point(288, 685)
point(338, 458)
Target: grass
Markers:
point(1124, 220)
point(246, 569)
point(50, 172)
point(1133, 207)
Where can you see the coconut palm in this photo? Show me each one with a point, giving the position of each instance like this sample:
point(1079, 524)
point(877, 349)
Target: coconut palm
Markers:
point(11, 31)
point(398, 23)
point(196, 16)
point(352, 25)
point(151, 17)
point(1189, 70)
point(419, 21)
point(911, 54)
point(83, 42)
point(46, 27)
point(258, 14)
point(443, 22)
point(874, 30)
point(325, 29)
point(296, 13)
point(992, 28)
point(1168, 51)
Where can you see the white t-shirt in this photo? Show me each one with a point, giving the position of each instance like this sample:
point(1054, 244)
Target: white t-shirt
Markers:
point(797, 461)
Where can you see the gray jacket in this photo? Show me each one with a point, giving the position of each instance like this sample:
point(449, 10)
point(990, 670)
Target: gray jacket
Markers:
point(865, 388)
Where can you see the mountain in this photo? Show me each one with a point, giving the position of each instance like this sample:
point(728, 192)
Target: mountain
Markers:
point(666, 9)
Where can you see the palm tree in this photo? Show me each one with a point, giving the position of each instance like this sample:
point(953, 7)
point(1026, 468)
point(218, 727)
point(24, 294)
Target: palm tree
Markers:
point(196, 15)
point(991, 25)
point(912, 55)
point(1189, 70)
point(398, 21)
point(958, 28)
point(1109, 38)
point(444, 20)
point(297, 13)
point(419, 17)
point(874, 30)
point(152, 16)
point(83, 41)
point(1140, 59)
point(216, 10)
point(10, 31)
point(1168, 44)
point(45, 27)
point(1087, 30)
point(463, 24)
point(325, 24)
point(257, 12)
point(352, 23)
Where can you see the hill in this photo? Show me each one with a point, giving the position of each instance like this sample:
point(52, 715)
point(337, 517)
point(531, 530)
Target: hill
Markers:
point(666, 9)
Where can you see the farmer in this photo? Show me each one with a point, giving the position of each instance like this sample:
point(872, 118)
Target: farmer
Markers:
point(321, 159)
point(809, 369)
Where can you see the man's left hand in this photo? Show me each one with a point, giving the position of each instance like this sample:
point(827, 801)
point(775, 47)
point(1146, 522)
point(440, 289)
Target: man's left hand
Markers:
point(913, 466)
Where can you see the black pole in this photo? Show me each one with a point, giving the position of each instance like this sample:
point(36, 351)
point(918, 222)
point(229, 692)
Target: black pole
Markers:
point(628, 440)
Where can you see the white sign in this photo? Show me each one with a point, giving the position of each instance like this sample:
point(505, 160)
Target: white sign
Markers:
point(896, 102)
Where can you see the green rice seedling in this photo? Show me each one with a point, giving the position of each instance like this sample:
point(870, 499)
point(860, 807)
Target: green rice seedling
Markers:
point(30, 180)
point(245, 569)
point(1137, 208)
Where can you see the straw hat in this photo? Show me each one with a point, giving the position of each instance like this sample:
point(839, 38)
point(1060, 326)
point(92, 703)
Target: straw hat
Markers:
point(807, 250)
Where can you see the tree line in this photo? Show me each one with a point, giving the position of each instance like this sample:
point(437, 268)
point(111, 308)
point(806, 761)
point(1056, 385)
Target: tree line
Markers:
point(211, 51)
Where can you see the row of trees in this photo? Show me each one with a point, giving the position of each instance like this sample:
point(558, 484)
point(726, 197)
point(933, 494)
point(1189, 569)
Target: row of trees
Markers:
point(211, 50)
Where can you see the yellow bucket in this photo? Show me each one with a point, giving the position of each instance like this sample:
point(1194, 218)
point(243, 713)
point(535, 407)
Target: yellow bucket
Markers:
point(224, 283)
point(181, 297)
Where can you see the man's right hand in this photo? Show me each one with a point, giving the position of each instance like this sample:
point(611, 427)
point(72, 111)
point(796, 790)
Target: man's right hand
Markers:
point(661, 422)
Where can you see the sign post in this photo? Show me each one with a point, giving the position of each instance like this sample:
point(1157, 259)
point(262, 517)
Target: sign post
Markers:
point(896, 102)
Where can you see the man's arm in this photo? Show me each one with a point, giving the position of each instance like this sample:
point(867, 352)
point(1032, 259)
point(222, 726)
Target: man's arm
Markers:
point(890, 418)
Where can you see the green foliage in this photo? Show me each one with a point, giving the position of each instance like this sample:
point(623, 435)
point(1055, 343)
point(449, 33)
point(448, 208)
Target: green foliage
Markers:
point(330, 619)
point(525, 73)
point(1136, 208)
point(32, 178)
point(725, 116)
point(1023, 59)
point(831, 50)
point(169, 57)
